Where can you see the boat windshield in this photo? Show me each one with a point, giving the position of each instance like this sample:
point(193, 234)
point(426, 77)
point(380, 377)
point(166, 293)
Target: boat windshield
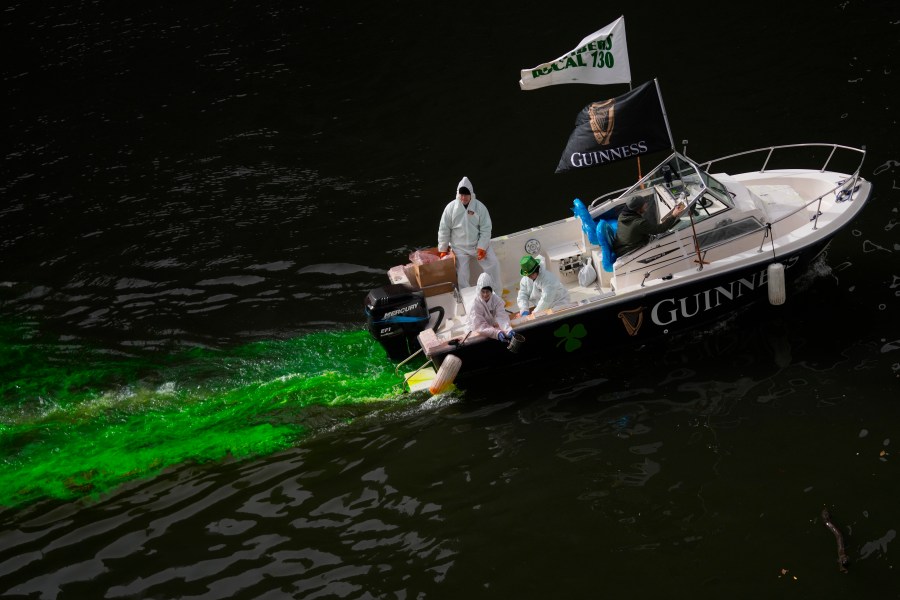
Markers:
point(677, 180)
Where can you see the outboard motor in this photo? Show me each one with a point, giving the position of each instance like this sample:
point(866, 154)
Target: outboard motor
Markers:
point(396, 314)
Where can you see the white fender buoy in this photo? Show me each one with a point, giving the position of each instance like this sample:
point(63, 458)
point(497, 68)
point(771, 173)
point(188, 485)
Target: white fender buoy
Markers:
point(777, 293)
point(446, 374)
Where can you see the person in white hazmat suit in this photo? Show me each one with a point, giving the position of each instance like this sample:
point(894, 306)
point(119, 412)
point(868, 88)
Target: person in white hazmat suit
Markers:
point(465, 228)
point(539, 287)
point(487, 315)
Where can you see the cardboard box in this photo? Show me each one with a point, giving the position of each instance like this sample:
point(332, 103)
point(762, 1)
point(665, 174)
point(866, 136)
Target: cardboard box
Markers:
point(438, 288)
point(436, 277)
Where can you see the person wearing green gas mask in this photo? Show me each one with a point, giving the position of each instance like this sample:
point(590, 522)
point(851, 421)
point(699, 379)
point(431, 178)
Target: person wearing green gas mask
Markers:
point(539, 288)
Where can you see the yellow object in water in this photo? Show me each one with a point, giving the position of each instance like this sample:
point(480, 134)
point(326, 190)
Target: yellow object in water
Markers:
point(420, 380)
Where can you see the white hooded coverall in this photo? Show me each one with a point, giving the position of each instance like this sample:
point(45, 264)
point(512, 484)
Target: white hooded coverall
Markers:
point(546, 290)
point(465, 230)
point(487, 318)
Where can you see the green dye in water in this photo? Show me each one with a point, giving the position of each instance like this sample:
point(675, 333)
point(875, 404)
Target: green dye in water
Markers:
point(75, 423)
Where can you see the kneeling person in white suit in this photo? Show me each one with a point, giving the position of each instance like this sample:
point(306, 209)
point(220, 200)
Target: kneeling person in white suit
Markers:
point(487, 315)
point(539, 287)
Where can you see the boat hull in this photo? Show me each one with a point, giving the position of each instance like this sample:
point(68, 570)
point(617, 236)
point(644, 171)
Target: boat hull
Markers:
point(615, 325)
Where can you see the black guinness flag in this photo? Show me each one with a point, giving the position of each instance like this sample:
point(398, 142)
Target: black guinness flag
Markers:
point(626, 126)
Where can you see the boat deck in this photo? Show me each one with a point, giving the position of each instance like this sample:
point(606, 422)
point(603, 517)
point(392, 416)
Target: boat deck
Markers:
point(455, 316)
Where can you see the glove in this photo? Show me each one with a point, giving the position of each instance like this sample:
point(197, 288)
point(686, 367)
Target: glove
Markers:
point(481, 253)
point(442, 254)
point(524, 313)
point(501, 336)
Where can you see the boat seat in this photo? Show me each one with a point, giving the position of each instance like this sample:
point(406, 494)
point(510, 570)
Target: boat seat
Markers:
point(604, 277)
point(778, 200)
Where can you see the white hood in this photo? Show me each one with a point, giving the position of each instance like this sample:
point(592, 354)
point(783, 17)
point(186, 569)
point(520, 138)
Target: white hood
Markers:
point(464, 182)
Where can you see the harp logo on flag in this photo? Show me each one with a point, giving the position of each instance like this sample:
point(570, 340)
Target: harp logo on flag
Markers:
point(603, 118)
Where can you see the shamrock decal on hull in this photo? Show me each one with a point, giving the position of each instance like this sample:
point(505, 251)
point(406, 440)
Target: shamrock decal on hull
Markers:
point(571, 336)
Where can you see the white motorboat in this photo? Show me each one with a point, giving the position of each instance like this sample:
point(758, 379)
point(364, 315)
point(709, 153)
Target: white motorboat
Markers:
point(746, 235)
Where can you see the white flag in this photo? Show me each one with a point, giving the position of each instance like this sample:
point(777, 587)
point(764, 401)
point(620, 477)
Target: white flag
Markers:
point(601, 58)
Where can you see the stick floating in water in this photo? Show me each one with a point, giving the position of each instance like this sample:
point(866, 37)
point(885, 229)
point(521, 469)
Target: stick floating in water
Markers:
point(843, 560)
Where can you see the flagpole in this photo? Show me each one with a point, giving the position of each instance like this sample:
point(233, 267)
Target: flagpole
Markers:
point(640, 174)
point(662, 105)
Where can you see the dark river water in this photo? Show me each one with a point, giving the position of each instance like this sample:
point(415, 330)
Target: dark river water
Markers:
point(196, 198)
